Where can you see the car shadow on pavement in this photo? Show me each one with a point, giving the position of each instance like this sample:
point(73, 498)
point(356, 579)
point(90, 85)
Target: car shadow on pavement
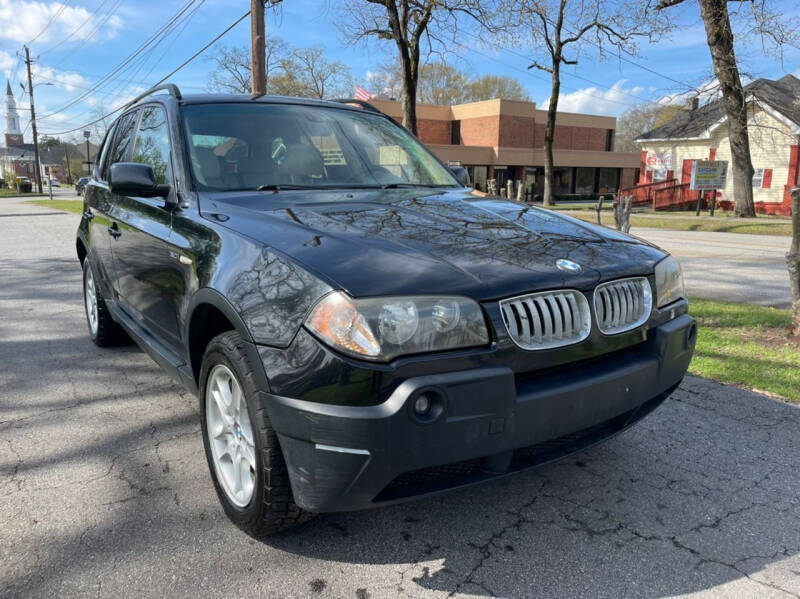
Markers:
point(703, 493)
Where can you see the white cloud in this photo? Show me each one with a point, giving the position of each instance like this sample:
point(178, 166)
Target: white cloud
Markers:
point(592, 100)
point(708, 90)
point(66, 80)
point(7, 62)
point(22, 20)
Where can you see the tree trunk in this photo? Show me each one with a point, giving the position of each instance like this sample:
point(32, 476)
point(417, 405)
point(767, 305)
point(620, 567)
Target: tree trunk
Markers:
point(720, 42)
point(410, 73)
point(549, 134)
point(793, 262)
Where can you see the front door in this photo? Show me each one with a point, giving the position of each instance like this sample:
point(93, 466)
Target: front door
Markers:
point(149, 271)
point(100, 205)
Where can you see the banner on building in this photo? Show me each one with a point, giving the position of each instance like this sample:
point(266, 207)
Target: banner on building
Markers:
point(709, 174)
point(659, 161)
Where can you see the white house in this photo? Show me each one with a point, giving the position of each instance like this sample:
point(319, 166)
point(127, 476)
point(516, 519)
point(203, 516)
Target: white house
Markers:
point(698, 133)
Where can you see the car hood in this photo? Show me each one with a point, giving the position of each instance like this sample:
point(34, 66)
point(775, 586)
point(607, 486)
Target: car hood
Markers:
point(382, 242)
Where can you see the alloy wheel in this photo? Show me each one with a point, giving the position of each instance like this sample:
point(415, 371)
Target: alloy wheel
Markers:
point(230, 435)
point(90, 297)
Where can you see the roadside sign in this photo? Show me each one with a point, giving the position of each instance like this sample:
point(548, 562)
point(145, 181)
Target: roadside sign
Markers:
point(709, 174)
point(87, 134)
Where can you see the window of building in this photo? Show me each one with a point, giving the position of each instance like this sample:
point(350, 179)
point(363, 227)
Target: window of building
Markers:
point(659, 174)
point(758, 178)
point(562, 181)
point(584, 180)
point(609, 140)
point(608, 180)
point(455, 133)
point(477, 174)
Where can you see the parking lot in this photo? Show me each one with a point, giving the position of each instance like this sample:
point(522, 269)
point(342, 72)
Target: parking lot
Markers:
point(104, 490)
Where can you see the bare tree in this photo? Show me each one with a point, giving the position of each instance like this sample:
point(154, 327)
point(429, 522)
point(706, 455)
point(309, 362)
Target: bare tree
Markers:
point(290, 71)
point(320, 77)
point(489, 87)
point(231, 73)
point(775, 32)
point(413, 25)
point(639, 119)
point(443, 83)
point(565, 29)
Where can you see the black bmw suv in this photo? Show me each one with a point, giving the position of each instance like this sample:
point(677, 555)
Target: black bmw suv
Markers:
point(360, 328)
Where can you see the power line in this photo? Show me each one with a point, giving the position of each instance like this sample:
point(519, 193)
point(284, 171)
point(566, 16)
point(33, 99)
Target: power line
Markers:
point(118, 90)
point(91, 16)
point(125, 62)
point(50, 21)
point(167, 76)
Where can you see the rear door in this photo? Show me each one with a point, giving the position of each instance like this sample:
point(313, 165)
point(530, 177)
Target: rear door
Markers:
point(149, 270)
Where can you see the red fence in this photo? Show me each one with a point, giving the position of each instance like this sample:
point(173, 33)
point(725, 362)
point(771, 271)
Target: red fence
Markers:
point(663, 195)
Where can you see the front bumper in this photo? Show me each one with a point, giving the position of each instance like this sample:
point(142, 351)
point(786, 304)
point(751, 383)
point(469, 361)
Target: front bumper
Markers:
point(486, 422)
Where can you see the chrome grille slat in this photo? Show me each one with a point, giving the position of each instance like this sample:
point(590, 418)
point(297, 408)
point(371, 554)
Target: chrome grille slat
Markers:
point(622, 305)
point(552, 318)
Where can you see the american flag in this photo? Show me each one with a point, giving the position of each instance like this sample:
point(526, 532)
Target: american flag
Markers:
point(362, 94)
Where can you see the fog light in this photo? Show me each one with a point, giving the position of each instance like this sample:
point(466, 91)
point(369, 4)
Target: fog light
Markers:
point(422, 405)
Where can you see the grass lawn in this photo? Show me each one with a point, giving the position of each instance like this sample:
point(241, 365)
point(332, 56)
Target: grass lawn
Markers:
point(13, 193)
point(747, 346)
point(683, 222)
point(75, 206)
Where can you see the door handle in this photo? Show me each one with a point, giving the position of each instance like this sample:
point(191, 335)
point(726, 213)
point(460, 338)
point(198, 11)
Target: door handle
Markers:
point(114, 231)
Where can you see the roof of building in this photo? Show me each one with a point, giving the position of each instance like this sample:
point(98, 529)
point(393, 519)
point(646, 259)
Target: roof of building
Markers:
point(780, 95)
point(8, 88)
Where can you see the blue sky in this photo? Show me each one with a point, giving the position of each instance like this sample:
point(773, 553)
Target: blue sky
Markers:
point(100, 34)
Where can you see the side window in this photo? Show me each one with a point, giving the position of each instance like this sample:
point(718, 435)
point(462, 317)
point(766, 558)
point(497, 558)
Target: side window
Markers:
point(152, 143)
point(103, 152)
point(123, 136)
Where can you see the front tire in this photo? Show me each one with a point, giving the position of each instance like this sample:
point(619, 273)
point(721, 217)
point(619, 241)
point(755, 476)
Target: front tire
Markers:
point(102, 328)
point(244, 457)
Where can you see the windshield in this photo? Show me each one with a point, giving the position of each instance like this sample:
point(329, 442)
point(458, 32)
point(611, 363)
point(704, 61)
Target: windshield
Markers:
point(279, 146)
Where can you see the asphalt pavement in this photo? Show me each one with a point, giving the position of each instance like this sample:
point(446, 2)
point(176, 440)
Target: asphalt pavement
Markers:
point(733, 266)
point(104, 490)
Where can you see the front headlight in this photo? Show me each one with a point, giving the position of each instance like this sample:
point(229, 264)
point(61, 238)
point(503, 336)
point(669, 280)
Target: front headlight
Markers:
point(385, 328)
point(669, 282)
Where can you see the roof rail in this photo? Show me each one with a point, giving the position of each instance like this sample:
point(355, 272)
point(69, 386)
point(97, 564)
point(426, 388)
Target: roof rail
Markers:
point(357, 102)
point(170, 87)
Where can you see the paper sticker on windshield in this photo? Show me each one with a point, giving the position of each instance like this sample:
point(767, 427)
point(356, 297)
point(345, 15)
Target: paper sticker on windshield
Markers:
point(390, 155)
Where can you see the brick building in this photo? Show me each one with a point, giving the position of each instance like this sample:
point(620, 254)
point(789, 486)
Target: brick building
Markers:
point(504, 139)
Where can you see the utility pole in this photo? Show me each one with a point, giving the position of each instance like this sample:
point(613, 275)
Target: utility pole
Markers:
point(258, 75)
point(37, 166)
point(258, 46)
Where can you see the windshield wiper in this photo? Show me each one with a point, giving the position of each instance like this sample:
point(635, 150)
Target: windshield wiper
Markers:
point(284, 186)
point(403, 184)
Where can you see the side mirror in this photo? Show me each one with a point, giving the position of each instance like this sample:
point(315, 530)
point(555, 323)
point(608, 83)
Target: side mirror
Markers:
point(135, 179)
point(461, 174)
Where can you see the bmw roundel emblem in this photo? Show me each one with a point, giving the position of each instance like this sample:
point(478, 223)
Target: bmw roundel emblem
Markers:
point(568, 266)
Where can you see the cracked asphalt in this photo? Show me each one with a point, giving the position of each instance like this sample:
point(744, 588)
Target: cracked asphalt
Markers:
point(104, 489)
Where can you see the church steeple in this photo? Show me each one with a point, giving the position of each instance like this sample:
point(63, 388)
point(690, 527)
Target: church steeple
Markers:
point(13, 131)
